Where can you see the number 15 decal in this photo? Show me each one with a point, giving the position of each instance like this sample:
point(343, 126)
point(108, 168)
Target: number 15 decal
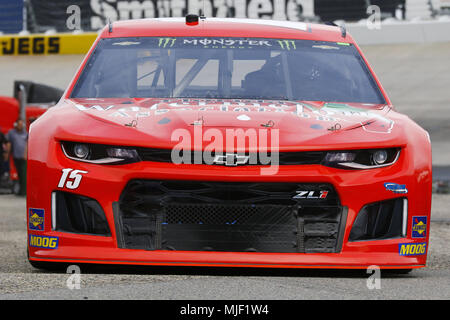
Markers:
point(70, 178)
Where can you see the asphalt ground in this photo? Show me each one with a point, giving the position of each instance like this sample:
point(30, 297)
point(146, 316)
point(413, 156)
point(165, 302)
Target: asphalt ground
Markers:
point(19, 280)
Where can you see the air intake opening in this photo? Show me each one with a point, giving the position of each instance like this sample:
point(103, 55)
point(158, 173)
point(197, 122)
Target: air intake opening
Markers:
point(78, 214)
point(381, 220)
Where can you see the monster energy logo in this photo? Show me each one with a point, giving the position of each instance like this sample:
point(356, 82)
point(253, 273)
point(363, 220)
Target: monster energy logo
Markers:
point(287, 44)
point(166, 42)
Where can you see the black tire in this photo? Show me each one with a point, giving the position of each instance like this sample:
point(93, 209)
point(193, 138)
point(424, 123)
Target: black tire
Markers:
point(398, 271)
point(48, 266)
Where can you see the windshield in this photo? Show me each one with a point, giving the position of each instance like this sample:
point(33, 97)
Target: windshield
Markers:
point(227, 68)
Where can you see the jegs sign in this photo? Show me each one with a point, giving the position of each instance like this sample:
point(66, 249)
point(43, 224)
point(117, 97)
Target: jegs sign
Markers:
point(29, 45)
point(42, 44)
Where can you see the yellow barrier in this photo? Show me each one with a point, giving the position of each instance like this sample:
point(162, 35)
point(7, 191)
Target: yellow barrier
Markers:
point(42, 44)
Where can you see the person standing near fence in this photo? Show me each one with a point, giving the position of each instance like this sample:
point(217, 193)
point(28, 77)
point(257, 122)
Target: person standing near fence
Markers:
point(3, 155)
point(17, 145)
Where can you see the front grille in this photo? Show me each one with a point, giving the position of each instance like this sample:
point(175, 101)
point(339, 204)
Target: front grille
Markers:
point(284, 158)
point(226, 216)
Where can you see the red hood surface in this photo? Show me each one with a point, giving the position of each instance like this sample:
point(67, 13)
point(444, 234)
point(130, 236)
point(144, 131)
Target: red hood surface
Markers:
point(300, 124)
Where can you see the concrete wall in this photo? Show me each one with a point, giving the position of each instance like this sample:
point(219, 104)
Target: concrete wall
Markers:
point(396, 32)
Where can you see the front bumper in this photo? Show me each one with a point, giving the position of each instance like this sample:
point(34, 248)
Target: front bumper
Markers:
point(354, 188)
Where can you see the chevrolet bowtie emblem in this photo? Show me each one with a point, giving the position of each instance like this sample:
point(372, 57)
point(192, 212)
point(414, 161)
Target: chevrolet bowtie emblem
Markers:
point(231, 159)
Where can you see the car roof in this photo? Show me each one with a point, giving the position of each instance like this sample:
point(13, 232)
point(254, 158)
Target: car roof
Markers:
point(225, 27)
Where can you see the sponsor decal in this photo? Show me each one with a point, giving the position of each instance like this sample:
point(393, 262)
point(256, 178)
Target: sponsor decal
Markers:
point(231, 159)
point(43, 242)
point(412, 249)
point(71, 178)
point(212, 141)
point(316, 126)
point(419, 227)
point(36, 219)
point(311, 195)
point(325, 47)
point(379, 123)
point(227, 43)
point(166, 42)
point(287, 44)
point(282, 13)
point(99, 11)
point(30, 45)
point(125, 43)
point(330, 112)
point(243, 117)
point(42, 44)
point(396, 188)
point(164, 121)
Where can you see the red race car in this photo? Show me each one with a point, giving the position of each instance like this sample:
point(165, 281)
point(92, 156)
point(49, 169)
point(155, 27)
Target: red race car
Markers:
point(29, 102)
point(227, 142)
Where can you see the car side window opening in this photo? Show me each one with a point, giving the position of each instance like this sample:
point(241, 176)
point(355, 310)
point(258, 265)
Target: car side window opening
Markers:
point(227, 68)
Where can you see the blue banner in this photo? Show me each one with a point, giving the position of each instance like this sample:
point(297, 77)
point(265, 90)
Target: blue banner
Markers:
point(11, 16)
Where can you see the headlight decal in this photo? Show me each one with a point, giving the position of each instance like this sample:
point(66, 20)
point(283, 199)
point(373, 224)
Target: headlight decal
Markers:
point(99, 154)
point(362, 159)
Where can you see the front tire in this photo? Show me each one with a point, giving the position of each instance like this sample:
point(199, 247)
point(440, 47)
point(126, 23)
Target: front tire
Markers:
point(48, 266)
point(43, 265)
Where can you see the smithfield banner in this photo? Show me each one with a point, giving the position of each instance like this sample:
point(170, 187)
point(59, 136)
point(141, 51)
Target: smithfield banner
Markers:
point(94, 14)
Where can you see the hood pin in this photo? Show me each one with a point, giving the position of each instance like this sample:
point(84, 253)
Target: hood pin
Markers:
point(198, 122)
point(336, 127)
point(132, 124)
point(269, 124)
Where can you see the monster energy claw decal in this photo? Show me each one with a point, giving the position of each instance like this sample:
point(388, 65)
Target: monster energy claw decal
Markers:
point(287, 44)
point(166, 42)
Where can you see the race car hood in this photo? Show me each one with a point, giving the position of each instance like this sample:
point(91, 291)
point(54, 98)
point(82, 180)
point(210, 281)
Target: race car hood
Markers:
point(298, 124)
